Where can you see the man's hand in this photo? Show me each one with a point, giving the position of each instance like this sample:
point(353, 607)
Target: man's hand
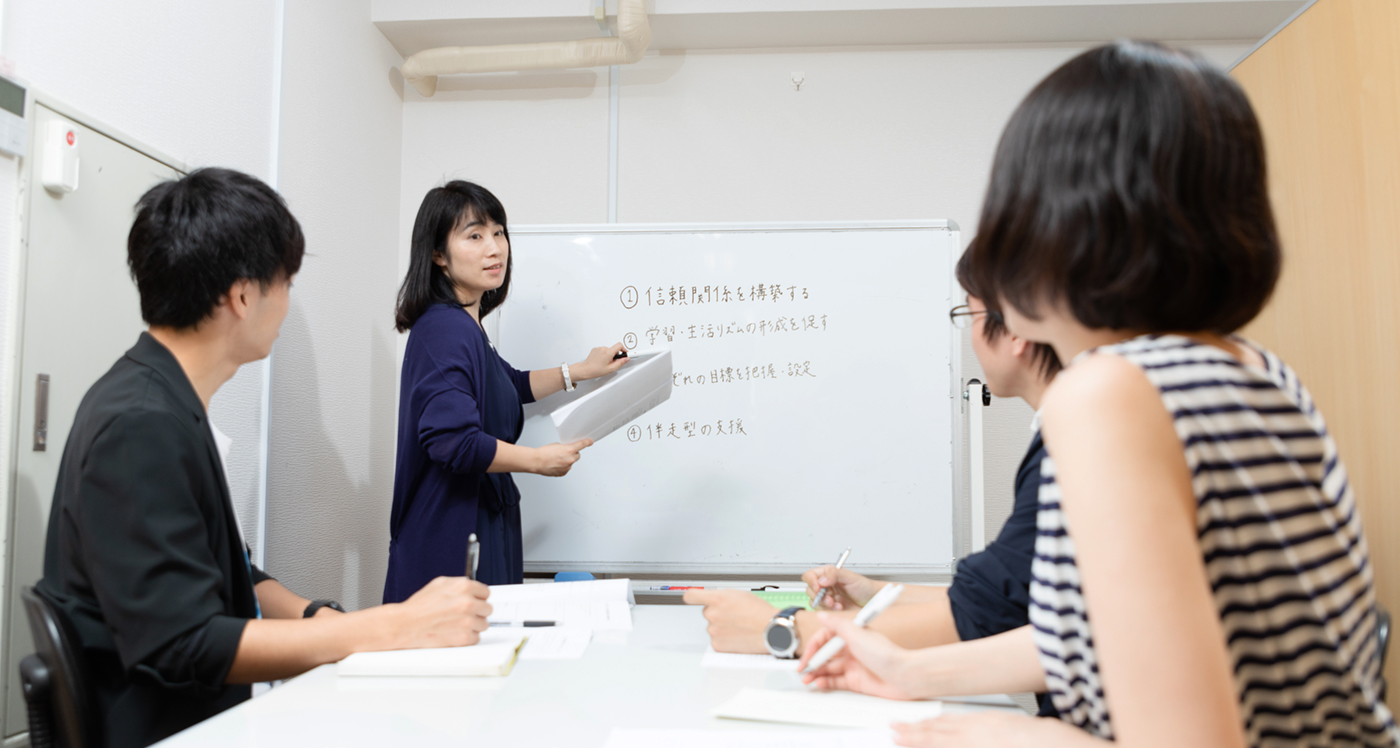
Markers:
point(737, 619)
point(848, 589)
point(447, 612)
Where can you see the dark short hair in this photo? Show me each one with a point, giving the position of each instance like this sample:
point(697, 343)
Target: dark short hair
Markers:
point(444, 210)
point(1046, 361)
point(1130, 187)
point(194, 237)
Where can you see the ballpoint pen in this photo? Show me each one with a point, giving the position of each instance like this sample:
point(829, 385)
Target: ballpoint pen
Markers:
point(821, 593)
point(473, 556)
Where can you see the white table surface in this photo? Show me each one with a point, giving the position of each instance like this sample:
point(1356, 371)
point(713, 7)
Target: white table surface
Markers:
point(648, 678)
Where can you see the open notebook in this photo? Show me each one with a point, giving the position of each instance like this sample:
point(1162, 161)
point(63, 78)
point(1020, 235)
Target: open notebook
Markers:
point(494, 655)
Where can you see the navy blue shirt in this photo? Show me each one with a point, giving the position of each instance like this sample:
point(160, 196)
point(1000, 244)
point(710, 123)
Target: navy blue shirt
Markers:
point(990, 593)
point(457, 397)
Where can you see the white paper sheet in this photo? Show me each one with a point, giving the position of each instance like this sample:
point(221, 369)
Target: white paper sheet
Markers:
point(730, 661)
point(602, 605)
point(493, 655)
point(794, 738)
point(616, 399)
point(555, 643)
point(825, 708)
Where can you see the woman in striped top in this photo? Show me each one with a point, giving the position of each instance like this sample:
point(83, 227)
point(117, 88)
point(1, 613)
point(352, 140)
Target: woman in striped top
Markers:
point(1200, 576)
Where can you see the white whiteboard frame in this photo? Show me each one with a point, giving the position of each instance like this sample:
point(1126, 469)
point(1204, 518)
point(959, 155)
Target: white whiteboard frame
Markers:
point(961, 511)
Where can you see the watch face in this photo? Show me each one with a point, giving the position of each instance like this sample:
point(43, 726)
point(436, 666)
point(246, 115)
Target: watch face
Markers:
point(779, 638)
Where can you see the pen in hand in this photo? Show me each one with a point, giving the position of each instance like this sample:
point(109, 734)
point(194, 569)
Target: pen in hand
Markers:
point(883, 599)
point(821, 593)
point(473, 556)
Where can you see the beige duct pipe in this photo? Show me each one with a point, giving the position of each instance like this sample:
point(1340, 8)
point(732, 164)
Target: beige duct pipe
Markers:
point(633, 37)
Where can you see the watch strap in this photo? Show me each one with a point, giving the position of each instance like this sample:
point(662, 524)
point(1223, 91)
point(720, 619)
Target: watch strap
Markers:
point(316, 606)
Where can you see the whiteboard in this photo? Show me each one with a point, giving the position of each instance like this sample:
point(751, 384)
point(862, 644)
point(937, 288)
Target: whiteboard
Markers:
point(813, 402)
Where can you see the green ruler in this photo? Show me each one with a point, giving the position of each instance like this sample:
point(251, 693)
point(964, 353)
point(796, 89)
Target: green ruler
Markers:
point(786, 598)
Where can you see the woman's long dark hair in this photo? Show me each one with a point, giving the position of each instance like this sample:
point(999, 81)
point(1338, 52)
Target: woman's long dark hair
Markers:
point(444, 210)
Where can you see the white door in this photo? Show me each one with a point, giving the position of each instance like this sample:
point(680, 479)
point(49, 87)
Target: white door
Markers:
point(80, 313)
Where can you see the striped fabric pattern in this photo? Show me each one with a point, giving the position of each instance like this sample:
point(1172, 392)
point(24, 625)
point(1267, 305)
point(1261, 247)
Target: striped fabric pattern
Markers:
point(1282, 545)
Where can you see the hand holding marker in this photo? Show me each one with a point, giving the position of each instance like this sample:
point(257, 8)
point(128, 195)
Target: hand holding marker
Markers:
point(883, 599)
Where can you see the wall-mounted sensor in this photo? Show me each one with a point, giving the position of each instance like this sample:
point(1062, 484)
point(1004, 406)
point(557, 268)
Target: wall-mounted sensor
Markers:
point(61, 157)
point(797, 80)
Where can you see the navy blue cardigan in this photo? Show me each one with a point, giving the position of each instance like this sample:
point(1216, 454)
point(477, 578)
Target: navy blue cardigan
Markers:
point(450, 416)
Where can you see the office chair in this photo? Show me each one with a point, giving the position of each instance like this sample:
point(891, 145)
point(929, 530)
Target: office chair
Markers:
point(53, 679)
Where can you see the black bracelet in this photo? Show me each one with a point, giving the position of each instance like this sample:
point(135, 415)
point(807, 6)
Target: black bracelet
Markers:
point(316, 606)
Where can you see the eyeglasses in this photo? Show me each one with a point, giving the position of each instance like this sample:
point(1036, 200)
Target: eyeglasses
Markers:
point(961, 315)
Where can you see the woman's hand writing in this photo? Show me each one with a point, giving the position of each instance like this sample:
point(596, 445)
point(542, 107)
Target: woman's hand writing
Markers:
point(869, 664)
point(555, 459)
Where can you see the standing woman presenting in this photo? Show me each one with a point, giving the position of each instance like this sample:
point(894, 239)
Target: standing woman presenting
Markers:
point(459, 401)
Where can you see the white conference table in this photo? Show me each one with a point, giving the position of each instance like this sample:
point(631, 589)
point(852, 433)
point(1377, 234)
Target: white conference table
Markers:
point(647, 678)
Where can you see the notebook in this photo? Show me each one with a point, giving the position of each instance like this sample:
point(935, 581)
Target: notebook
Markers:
point(494, 655)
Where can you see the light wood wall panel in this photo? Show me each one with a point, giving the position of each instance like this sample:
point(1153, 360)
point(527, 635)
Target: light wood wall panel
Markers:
point(1327, 92)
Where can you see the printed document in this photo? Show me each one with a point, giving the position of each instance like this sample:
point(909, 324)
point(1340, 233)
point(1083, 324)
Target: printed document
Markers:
point(790, 738)
point(616, 399)
point(600, 605)
point(729, 661)
point(825, 708)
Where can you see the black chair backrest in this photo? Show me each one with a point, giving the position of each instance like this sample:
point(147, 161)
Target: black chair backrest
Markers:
point(57, 646)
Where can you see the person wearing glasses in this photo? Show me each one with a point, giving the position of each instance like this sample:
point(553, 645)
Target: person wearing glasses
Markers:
point(1201, 577)
point(989, 593)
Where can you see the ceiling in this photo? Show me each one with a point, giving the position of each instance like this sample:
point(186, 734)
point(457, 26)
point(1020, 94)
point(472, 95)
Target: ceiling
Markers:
point(415, 25)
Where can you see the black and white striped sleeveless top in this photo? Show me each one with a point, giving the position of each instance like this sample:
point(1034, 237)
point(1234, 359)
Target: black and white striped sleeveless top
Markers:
point(1282, 545)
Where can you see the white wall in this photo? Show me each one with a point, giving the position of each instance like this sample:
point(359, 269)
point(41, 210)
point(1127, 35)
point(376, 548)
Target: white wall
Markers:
point(874, 133)
point(192, 80)
point(331, 469)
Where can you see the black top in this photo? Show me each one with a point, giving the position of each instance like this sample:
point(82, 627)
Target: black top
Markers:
point(990, 593)
point(144, 554)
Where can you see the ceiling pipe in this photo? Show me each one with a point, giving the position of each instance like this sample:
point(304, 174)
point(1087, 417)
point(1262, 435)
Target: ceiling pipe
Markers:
point(633, 37)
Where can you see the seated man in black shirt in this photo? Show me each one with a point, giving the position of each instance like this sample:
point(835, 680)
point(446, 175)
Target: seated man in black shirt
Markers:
point(143, 552)
point(990, 593)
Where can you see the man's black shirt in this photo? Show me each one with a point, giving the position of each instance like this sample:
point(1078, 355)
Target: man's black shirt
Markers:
point(144, 554)
point(990, 593)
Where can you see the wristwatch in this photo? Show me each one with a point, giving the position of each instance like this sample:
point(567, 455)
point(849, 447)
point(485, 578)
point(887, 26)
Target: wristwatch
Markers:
point(316, 606)
point(781, 635)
